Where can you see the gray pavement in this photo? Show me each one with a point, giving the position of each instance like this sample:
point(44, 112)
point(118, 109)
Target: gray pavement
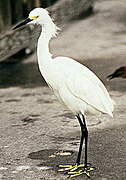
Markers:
point(37, 133)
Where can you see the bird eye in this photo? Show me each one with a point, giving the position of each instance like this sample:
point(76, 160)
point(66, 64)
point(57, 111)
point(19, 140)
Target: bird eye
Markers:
point(33, 17)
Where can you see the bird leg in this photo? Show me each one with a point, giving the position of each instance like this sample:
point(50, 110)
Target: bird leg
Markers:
point(84, 134)
point(79, 169)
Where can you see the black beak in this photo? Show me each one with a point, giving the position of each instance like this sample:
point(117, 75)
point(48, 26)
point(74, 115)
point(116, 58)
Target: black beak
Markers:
point(111, 76)
point(26, 21)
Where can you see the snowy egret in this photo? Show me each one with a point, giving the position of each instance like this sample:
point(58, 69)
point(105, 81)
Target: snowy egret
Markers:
point(73, 84)
point(118, 73)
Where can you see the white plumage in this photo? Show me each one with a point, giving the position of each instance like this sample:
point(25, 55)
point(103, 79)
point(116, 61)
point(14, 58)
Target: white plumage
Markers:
point(79, 88)
point(73, 84)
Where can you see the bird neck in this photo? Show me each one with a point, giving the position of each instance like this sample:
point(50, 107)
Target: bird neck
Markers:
point(43, 45)
point(49, 30)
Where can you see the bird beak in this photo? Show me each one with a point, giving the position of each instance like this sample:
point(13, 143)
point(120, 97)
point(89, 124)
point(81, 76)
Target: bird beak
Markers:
point(109, 77)
point(26, 21)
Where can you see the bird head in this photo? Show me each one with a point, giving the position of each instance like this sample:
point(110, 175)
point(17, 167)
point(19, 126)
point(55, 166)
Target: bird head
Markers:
point(36, 16)
point(118, 73)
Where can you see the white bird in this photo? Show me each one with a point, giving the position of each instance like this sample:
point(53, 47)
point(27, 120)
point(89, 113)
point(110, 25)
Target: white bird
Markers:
point(73, 84)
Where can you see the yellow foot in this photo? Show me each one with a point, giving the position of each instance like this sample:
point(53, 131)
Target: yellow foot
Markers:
point(76, 170)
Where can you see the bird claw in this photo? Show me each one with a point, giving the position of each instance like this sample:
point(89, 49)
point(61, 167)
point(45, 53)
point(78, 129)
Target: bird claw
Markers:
point(76, 170)
point(78, 173)
point(65, 168)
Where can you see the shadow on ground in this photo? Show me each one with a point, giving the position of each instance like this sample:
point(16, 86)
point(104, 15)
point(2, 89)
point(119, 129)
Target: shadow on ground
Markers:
point(24, 75)
point(106, 153)
point(52, 157)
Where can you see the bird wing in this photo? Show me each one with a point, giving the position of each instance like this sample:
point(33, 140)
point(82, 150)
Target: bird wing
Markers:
point(85, 85)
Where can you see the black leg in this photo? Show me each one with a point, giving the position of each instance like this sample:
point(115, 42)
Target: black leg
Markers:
point(86, 139)
point(84, 134)
point(79, 169)
point(81, 140)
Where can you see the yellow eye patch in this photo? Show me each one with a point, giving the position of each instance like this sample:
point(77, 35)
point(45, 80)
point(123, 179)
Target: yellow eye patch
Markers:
point(33, 17)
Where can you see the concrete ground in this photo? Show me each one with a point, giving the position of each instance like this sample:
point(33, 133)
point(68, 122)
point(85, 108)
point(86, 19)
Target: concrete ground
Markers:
point(37, 133)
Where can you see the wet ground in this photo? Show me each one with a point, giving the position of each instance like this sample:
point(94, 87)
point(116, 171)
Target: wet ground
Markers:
point(37, 133)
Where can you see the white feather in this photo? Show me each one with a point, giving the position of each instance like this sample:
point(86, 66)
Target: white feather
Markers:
point(87, 93)
point(74, 84)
